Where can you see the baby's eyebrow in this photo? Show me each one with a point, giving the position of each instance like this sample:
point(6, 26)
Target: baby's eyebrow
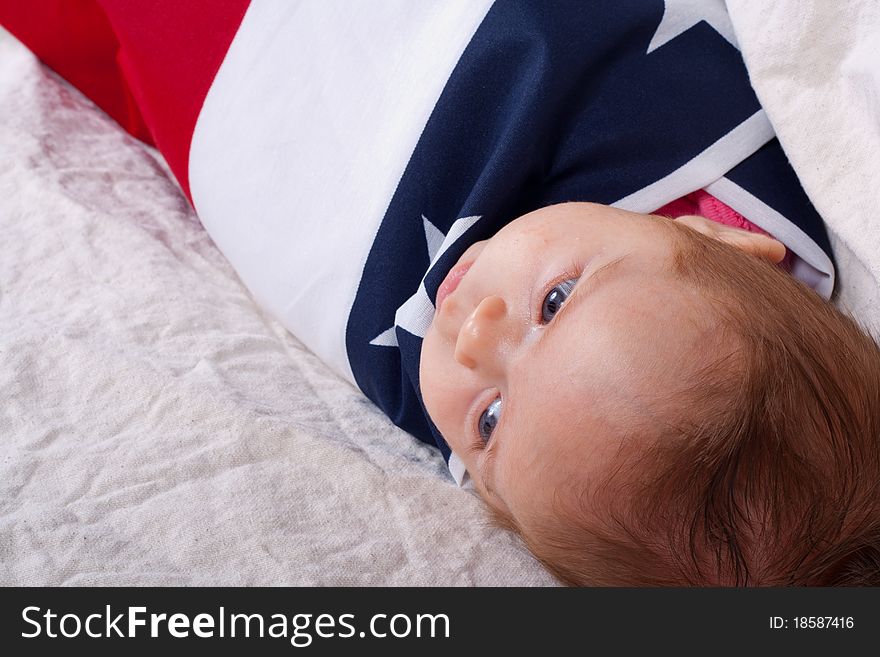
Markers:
point(488, 469)
point(583, 288)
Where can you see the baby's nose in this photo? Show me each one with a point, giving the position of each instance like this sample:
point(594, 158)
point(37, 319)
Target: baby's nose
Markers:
point(481, 334)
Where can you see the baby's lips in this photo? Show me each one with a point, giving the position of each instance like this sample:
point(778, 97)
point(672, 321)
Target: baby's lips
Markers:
point(450, 283)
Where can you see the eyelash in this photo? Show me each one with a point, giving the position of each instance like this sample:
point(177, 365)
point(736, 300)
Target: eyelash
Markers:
point(573, 271)
point(474, 420)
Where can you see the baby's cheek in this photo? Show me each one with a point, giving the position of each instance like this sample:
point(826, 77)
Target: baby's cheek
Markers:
point(428, 373)
point(437, 391)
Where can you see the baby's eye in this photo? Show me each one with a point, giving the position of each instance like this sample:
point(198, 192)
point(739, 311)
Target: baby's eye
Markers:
point(488, 419)
point(555, 298)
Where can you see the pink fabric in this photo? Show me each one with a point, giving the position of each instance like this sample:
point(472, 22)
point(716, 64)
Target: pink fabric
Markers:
point(703, 204)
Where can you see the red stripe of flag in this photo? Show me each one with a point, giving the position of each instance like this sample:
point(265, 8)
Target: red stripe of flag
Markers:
point(149, 65)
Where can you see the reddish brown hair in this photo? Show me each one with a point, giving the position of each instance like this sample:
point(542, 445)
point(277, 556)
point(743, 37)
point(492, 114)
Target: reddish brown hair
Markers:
point(768, 470)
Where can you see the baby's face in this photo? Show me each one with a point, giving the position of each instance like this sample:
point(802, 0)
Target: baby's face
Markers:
point(553, 350)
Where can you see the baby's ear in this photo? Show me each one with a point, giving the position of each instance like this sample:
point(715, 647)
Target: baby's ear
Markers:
point(763, 246)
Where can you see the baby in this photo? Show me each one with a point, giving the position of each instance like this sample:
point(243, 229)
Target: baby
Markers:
point(650, 401)
point(645, 400)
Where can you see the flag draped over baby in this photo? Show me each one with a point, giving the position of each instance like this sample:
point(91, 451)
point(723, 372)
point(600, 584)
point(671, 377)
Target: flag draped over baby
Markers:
point(344, 155)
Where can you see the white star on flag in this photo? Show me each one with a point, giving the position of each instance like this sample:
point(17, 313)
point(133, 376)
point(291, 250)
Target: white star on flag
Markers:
point(681, 15)
point(416, 313)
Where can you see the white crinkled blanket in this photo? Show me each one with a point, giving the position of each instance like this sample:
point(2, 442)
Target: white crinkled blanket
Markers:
point(156, 428)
